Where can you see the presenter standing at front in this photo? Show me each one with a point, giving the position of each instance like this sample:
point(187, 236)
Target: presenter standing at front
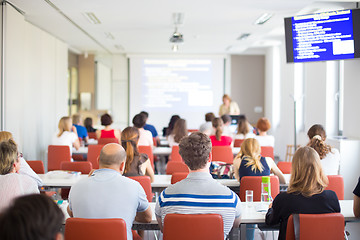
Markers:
point(229, 107)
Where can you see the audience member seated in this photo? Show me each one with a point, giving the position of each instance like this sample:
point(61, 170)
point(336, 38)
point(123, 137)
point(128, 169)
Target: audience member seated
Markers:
point(306, 192)
point(249, 162)
point(146, 138)
point(150, 127)
point(263, 125)
point(108, 194)
point(81, 130)
point(25, 169)
point(207, 126)
point(218, 139)
point(357, 200)
point(330, 157)
point(65, 136)
point(136, 164)
point(168, 130)
point(199, 188)
point(12, 184)
point(228, 107)
point(107, 132)
point(179, 131)
point(227, 122)
point(88, 123)
point(244, 129)
point(32, 217)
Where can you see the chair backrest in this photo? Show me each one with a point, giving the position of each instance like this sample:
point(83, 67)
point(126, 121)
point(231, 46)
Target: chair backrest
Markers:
point(336, 184)
point(254, 183)
point(145, 182)
point(37, 166)
point(56, 155)
point(285, 167)
point(267, 151)
point(173, 167)
point(94, 229)
point(92, 135)
point(83, 167)
point(175, 155)
point(192, 130)
point(223, 154)
point(93, 154)
point(154, 142)
point(178, 176)
point(193, 226)
point(148, 150)
point(104, 141)
point(238, 142)
point(328, 226)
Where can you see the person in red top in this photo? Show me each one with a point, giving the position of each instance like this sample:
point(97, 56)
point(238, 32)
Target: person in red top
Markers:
point(107, 132)
point(218, 139)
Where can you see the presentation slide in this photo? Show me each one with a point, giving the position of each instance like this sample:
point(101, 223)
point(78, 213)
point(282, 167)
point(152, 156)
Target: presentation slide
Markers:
point(189, 87)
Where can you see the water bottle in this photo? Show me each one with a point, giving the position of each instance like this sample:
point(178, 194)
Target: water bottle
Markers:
point(265, 189)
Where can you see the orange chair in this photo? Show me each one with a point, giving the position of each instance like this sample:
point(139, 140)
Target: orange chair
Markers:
point(336, 184)
point(147, 150)
point(155, 142)
point(93, 155)
point(222, 154)
point(267, 151)
point(83, 167)
point(192, 130)
point(104, 141)
point(92, 135)
point(37, 166)
point(56, 155)
point(78, 157)
point(178, 176)
point(145, 182)
point(238, 142)
point(254, 183)
point(175, 155)
point(94, 229)
point(285, 167)
point(173, 167)
point(329, 226)
point(193, 227)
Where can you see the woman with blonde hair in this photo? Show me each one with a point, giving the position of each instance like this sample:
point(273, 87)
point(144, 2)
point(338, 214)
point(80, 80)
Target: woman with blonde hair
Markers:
point(25, 169)
point(67, 134)
point(306, 192)
point(249, 162)
point(330, 157)
point(137, 164)
point(243, 130)
point(218, 139)
point(179, 131)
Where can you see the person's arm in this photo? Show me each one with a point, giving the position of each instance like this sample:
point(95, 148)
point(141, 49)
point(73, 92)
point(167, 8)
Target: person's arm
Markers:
point(86, 139)
point(237, 222)
point(25, 169)
point(145, 216)
point(158, 219)
point(356, 206)
point(98, 133)
point(236, 165)
point(274, 169)
point(272, 216)
point(117, 135)
point(70, 212)
point(149, 171)
point(76, 144)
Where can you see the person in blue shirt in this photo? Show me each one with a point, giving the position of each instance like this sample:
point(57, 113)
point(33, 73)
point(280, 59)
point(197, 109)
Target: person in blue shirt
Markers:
point(150, 127)
point(81, 130)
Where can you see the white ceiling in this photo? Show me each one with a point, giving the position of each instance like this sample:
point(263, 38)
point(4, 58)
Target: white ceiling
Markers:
point(145, 26)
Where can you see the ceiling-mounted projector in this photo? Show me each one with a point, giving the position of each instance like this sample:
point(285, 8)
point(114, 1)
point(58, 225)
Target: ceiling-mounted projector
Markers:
point(176, 37)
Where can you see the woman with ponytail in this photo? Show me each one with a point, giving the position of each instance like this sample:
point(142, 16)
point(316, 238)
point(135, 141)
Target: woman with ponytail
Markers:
point(218, 139)
point(136, 164)
point(249, 162)
point(179, 131)
point(330, 157)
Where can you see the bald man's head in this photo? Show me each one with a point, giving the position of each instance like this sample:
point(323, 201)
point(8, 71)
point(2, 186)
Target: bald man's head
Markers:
point(112, 154)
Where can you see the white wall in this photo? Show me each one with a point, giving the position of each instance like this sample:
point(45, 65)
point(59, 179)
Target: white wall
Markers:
point(35, 84)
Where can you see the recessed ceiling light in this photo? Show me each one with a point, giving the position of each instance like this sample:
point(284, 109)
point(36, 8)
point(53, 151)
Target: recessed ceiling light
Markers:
point(91, 17)
point(263, 18)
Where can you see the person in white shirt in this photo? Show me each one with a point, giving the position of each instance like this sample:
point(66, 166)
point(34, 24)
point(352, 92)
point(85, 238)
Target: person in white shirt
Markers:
point(244, 129)
point(12, 184)
point(67, 134)
point(227, 122)
point(263, 125)
point(206, 127)
point(146, 138)
point(330, 157)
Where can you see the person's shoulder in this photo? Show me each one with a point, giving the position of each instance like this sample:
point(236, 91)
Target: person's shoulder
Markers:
point(329, 194)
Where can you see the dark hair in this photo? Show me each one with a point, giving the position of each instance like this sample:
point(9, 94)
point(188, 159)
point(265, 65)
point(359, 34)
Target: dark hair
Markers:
point(139, 121)
point(129, 140)
point(88, 122)
point(195, 149)
point(171, 125)
point(217, 123)
point(8, 156)
point(209, 117)
point(31, 217)
point(180, 130)
point(226, 118)
point(263, 124)
point(146, 114)
point(243, 125)
point(106, 120)
point(317, 136)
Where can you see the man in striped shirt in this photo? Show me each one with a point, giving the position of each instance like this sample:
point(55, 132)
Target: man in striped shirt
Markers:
point(199, 193)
